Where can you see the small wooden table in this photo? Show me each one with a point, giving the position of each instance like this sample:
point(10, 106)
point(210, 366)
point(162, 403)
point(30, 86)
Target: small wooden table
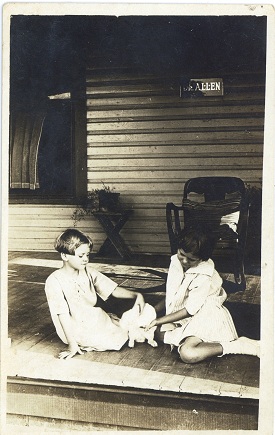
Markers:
point(112, 223)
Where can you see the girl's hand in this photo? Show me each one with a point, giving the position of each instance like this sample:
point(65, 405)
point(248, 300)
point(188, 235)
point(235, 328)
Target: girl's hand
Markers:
point(72, 351)
point(151, 325)
point(139, 302)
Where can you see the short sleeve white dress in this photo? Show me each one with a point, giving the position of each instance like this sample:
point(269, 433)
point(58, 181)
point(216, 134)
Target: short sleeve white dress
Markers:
point(198, 290)
point(91, 325)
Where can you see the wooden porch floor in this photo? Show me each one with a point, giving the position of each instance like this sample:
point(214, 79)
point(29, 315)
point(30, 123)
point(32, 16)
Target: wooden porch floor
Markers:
point(35, 345)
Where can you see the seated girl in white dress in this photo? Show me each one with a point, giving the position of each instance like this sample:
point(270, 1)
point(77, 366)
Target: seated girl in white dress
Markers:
point(72, 295)
point(196, 322)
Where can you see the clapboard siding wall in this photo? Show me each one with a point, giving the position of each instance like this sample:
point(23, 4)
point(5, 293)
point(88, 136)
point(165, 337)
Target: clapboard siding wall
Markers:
point(145, 142)
point(35, 227)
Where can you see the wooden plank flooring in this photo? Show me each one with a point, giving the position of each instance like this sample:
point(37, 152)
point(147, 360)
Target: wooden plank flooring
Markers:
point(35, 345)
point(139, 388)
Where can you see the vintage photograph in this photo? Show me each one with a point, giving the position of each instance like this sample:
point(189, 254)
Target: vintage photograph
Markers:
point(137, 149)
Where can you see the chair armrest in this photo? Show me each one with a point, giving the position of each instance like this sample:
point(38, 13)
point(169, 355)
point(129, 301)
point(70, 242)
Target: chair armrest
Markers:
point(172, 206)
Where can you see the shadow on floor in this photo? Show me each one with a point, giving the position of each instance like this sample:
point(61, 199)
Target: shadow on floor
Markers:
point(246, 318)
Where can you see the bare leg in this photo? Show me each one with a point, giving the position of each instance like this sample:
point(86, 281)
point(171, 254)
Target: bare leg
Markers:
point(194, 350)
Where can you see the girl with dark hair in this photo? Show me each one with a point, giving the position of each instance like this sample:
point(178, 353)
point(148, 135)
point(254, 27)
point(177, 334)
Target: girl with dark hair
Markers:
point(196, 322)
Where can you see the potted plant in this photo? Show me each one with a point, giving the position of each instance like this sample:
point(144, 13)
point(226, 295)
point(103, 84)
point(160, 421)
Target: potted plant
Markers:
point(104, 200)
point(108, 200)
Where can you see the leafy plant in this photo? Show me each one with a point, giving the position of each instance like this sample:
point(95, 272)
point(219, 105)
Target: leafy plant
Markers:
point(93, 202)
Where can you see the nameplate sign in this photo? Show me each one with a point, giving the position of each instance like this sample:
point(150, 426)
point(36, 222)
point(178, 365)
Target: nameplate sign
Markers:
point(202, 88)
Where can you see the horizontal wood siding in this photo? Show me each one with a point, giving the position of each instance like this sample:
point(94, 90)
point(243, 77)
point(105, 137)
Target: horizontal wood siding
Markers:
point(35, 227)
point(145, 142)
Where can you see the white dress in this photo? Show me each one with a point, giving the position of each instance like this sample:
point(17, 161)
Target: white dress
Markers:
point(92, 326)
point(198, 290)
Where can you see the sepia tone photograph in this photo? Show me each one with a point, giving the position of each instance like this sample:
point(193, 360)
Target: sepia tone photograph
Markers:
point(137, 218)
